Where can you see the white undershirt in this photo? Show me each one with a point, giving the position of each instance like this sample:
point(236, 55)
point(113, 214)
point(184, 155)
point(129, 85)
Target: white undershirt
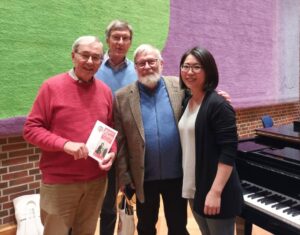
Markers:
point(187, 136)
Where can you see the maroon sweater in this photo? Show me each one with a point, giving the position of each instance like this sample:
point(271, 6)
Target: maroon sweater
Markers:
point(66, 110)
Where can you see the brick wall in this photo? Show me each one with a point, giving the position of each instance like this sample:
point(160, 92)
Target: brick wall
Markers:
point(19, 173)
point(19, 160)
point(249, 119)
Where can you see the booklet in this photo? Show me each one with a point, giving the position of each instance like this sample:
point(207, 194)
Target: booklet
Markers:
point(100, 140)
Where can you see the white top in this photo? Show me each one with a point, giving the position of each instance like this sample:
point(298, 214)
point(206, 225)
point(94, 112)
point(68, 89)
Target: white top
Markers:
point(187, 137)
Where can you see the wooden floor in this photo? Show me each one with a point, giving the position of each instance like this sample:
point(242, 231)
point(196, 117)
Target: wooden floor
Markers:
point(192, 226)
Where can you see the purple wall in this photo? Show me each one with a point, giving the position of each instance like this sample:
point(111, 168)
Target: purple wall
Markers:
point(246, 39)
point(11, 126)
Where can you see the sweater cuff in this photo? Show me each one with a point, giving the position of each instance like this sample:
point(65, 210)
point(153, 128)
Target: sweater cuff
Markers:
point(60, 143)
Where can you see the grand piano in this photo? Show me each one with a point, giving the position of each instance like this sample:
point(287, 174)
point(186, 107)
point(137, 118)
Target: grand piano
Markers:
point(269, 169)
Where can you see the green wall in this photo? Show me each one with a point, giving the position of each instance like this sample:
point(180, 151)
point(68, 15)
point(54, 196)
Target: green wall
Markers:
point(36, 38)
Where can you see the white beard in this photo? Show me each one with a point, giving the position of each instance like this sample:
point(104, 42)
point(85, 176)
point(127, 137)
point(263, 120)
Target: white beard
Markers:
point(150, 80)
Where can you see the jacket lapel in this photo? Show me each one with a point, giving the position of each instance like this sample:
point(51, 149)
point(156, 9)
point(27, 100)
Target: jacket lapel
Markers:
point(134, 101)
point(175, 94)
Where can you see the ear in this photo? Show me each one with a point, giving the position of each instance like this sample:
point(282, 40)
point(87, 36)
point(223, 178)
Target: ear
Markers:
point(161, 63)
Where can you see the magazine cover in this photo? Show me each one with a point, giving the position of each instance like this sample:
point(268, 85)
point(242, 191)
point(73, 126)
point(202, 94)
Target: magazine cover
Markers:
point(100, 140)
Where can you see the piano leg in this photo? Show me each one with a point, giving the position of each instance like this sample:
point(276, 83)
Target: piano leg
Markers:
point(243, 227)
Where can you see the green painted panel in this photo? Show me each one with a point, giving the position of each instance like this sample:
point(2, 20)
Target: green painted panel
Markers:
point(36, 38)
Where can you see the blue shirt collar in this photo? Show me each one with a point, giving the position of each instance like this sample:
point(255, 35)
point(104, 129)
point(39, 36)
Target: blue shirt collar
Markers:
point(123, 65)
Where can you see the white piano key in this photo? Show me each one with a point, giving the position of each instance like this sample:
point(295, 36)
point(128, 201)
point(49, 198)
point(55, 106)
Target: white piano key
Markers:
point(268, 209)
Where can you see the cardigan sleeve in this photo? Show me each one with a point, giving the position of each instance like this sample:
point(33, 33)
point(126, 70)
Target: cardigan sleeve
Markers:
point(225, 131)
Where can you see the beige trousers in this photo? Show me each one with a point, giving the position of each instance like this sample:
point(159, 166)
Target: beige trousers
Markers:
point(76, 206)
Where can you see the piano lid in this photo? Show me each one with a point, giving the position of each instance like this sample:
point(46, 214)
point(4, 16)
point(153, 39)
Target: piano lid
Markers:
point(285, 133)
point(250, 146)
point(286, 153)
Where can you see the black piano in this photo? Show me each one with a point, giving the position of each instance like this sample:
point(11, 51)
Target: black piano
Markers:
point(269, 169)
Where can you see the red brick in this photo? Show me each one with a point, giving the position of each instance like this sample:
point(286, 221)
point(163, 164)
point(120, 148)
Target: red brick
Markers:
point(11, 211)
point(14, 161)
point(3, 185)
point(3, 141)
point(9, 219)
point(34, 157)
point(23, 180)
point(14, 175)
point(3, 213)
point(8, 205)
point(15, 146)
point(35, 185)
point(3, 199)
point(16, 189)
point(3, 156)
point(34, 171)
point(21, 167)
point(38, 177)
point(3, 170)
point(16, 139)
point(21, 153)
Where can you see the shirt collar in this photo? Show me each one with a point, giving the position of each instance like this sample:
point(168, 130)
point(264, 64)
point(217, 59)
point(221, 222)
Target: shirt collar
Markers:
point(117, 67)
point(73, 76)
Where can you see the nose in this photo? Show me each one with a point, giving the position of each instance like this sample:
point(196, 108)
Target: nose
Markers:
point(190, 70)
point(147, 65)
point(121, 40)
point(90, 60)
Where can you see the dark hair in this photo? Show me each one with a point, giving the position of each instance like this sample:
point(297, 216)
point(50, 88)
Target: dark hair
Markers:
point(208, 64)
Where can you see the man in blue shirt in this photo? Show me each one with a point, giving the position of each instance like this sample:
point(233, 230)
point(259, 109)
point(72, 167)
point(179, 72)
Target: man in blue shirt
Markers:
point(116, 71)
point(149, 151)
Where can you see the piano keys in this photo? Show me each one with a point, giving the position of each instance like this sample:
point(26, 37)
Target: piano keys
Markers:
point(269, 169)
point(282, 207)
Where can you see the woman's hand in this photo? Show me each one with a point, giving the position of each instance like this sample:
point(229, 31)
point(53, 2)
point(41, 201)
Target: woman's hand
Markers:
point(212, 203)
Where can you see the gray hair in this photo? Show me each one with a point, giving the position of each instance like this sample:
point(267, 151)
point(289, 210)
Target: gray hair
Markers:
point(118, 25)
point(147, 48)
point(84, 40)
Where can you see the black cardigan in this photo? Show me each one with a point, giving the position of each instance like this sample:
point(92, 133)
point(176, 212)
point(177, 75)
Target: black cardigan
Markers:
point(216, 141)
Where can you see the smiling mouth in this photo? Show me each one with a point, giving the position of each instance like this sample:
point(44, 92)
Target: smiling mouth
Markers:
point(89, 69)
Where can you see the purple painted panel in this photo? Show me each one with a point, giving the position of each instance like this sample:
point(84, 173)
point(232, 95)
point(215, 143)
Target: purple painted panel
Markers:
point(242, 35)
point(11, 126)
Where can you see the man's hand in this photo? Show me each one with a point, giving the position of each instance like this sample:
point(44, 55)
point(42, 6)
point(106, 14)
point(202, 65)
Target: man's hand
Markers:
point(77, 150)
point(107, 161)
point(225, 95)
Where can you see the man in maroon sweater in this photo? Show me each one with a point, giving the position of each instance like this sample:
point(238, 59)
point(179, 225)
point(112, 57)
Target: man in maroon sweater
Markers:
point(60, 122)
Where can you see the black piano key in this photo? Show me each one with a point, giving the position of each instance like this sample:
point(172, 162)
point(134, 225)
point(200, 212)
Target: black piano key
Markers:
point(294, 210)
point(265, 199)
point(283, 204)
point(259, 194)
point(273, 198)
point(253, 189)
point(250, 189)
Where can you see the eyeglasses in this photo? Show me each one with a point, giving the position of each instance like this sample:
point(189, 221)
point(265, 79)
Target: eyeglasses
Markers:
point(195, 68)
point(86, 57)
point(150, 62)
point(117, 38)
